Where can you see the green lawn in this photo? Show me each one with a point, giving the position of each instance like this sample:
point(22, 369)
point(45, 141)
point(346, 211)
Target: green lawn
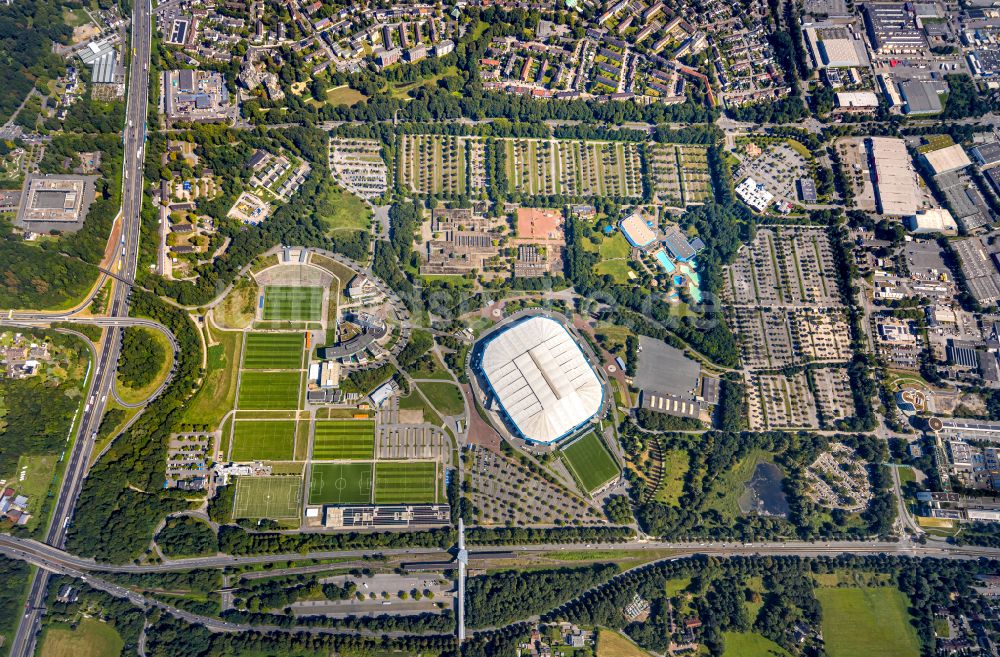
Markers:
point(675, 468)
point(268, 497)
point(590, 461)
point(218, 389)
point(341, 483)
point(274, 351)
point(413, 402)
point(292, 303)
point(91, 638)
point(344, 95)
point(269, 390)
point(405, 482)
point(344, 439)
point(446, 397)
point(615, 246)
point(739, 644)
point(341, 210)
point(617, 269)
point(263, 440)
point(873, 622)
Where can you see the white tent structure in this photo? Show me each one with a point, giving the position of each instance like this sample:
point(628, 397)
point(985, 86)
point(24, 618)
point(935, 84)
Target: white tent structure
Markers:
point(541, 379)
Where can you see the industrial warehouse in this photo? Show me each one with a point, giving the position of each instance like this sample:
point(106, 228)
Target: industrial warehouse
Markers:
point(540, 379)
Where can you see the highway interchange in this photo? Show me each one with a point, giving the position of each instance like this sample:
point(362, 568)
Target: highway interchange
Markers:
point(103, 378)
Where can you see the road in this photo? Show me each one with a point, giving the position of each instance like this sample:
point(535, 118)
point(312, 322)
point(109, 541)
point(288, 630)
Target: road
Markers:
point(134, 138)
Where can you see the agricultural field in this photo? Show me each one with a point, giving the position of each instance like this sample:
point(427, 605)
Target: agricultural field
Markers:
point(870, 621)
point(613, 644)
point(268, 391)
point(590, 461)
point(748, 644)
point(296, 304)
point(573, 168)
point(278, 497)
point(440, 164)
point(273, 351)
point(343, 439)
point(263, 440)
point(340, 483)
point(399, 482)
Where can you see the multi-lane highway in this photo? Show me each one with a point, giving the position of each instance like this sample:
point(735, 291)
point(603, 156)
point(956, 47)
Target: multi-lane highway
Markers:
point(133, 139)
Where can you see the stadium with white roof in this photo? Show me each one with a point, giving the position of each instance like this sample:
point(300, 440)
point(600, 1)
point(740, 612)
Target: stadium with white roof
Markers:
point(540, 378)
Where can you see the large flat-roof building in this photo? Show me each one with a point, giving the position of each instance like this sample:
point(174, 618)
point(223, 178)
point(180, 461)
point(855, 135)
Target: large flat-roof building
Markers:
point(637, 231)
point(891, 28)
point(895, 179)
point(540, 379)
point(55, 202)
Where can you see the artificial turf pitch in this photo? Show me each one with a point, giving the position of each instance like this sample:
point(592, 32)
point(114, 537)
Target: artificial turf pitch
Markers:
point(405, 482)
point(340, 483)
point(344, 439)
point(273, 351)
point(268, 497)
point(590, 461)
point(269, 390)
point(296, 304)
point(263, 440)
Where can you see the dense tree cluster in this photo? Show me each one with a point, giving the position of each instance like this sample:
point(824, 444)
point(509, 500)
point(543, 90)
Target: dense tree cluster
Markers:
point(142, 356)
point(186, 536)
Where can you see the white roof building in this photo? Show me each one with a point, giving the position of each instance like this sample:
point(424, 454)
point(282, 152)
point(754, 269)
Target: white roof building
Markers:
point(949, 158)
point(932, 220)
point(857, 100)
point(896, 187)
point(754, 194)
point(541, 379)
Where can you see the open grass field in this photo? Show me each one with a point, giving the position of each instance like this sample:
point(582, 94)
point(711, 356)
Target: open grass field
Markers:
point(273, 351)
point(405, 482)
point(590, 461)
point(344, 95)
point(296, 304)
point(740, 644)
point(612, 644)
point(873, 622)
point(268, 497)
point(269, 390)
point(344, 439)
point(414, 402)
point(676, 463)
point(263, 440)
point(91, 638)
point(446, 397)
point(341, 483)
point(343, 211)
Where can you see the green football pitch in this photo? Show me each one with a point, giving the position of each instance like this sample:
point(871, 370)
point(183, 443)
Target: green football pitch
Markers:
point(269, 390)
point(268, 497)
point(273, 351)
point(344, 439)
point(341, 483)
point(283, 302)
point(590, 461)
point(406, 482)
point(263, 440)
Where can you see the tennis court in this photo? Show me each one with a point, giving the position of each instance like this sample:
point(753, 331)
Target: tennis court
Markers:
point(268, 497)
point(269, 390)
point(405, 482)
point(344, 439)
point(273, 351)
point(263, 440)
point(590, 461)
point(341, 483)
point(296, 304)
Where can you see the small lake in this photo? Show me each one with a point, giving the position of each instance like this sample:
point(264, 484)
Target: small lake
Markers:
point(763, 494)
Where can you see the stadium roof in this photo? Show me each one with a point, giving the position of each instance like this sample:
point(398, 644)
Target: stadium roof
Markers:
point(541, 379)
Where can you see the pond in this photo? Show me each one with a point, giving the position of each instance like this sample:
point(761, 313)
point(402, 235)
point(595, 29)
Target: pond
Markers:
point(764, 494)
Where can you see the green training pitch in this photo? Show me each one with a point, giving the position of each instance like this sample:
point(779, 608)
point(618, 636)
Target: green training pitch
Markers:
point(590, 461)
point(408, 482)
point(874, 622)
point(341, 483)
point(273, 351)
point(295, 304)
point(263, 440)
point(268, 497)
point(269, 391)
point(344, 439)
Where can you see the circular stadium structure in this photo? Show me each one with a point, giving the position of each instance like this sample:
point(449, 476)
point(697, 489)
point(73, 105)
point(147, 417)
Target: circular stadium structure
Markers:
point(540, 378)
